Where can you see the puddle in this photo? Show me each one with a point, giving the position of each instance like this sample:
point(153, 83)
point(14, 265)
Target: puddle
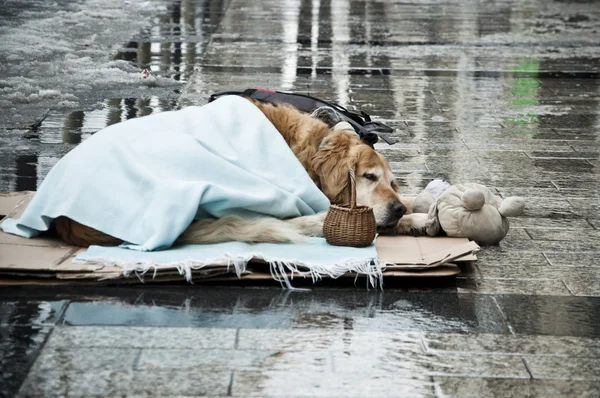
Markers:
point(76, 126)
point(336, 309)
point(175, 42)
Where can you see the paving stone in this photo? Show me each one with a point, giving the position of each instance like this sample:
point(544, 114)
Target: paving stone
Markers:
point(19, 346)
point(498, 256)
point(571, 166)
point(65, 359)
point(60, 382)
point(31, 312)
point(577, 181)
point(483, 388)
point(529, 222)
point(542, 194)
point(551, 315)
point(563, 235)
point(323, 339)
point(539, 287)
point(326, 384)
point(493, 344)
point(562, 155)
point(517, 238)
point(577, 259)
point(152, 382)
point(535, 273)
point(587, 207)
point(556, 368)
point(234, 360)
point(469, 387)
point(72, 382)
point(441, 312)
point(516, 182)
point(407, 364)
point(556, 208)
point(547, 145)
point(583, 283)
point(141, 337)
point(406, 166)
point(567, 246)
point(551, 388)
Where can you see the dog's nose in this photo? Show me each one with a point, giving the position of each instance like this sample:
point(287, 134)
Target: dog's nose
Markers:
point(399, 209)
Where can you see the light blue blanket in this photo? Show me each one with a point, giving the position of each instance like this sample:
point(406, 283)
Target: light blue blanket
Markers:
point(144, 180)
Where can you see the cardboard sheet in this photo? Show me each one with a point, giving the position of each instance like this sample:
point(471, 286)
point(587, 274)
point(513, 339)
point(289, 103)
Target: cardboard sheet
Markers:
point(48, 261)
point(403, 252)
point(13, 203)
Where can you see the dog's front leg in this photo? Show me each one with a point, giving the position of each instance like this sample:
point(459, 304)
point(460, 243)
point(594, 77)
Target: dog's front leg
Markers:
point(310, 225)
point(410, 224)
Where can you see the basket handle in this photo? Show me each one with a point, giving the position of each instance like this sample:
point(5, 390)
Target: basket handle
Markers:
point(352, 188)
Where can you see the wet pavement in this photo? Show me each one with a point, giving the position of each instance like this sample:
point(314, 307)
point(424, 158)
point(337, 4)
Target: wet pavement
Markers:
point(504, 93)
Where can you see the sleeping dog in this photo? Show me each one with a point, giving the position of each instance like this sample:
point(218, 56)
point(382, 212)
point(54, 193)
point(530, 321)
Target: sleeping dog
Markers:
point(326, 154)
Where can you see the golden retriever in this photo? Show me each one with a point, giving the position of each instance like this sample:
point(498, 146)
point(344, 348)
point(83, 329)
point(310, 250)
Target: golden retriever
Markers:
point(326, 155)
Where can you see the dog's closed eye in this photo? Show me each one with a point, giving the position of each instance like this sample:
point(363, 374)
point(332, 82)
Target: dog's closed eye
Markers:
point(370, 176)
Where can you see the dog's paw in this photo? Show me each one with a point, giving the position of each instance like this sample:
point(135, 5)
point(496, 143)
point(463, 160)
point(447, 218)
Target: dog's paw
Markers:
point(418, 231)
point(411, 224)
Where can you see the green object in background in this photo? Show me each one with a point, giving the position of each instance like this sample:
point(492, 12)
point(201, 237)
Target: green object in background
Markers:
point(524, 91)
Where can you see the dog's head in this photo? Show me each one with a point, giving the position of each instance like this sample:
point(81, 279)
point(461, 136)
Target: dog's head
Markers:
point(376, 186)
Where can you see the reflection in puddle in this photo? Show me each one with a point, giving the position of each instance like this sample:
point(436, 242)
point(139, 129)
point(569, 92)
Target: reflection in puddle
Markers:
point(76, 126)
point(172, 46)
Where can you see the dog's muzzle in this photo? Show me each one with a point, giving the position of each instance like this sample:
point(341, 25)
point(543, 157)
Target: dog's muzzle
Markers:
point(395, 211)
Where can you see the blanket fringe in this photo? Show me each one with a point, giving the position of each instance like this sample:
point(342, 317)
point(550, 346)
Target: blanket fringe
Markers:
point(281, 271)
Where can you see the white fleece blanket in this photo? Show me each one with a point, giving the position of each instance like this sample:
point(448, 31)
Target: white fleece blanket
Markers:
point(145, 180)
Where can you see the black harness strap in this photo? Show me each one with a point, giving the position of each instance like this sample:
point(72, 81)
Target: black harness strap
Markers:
point(369, 131)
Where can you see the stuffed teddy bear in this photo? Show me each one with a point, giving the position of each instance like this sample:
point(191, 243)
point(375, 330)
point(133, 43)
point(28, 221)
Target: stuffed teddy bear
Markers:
point(467, 211)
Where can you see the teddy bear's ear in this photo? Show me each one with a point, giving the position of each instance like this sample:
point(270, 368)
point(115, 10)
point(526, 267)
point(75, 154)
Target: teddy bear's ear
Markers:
point(433, 223)
point(423, 202)
point(512, 206)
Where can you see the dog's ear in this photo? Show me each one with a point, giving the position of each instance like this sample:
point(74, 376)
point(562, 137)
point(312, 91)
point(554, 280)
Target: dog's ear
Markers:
point(331, 164)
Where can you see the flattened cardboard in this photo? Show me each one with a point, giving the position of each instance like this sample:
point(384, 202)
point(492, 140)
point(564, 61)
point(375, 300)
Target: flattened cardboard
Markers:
point(10, 200)
point(440, 271)
point(18, 200)
point(17, 257)
point(49, 261)
point(409, 252)
point(9, 239)
point(444, 270)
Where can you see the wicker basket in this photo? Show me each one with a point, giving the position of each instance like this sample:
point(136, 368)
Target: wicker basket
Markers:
point(350, 225)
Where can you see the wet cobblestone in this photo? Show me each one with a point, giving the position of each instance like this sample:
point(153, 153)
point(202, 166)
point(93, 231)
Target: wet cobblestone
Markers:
point(504, 93)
